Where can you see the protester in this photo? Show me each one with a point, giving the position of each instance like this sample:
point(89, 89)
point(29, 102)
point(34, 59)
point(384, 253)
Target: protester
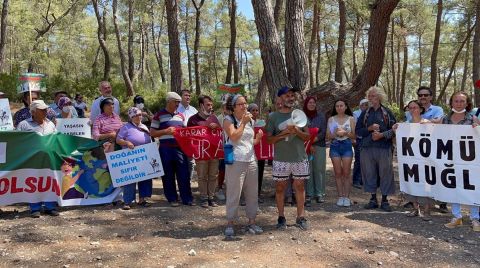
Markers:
point(432, 112)
point(416, 111)
point(241, 175)
point(147, 115)
point(24, 113)
point(66, 108)
point(135, 133)
point(375, 127)
point(341, 132)
point(207, 170)
point(253, 109)
point(80, 106)
point(220, 192)
point(290, 157)
point(461, 105)
point(318, 151)
point(106, 91)
point(357, 171)
point(184, 107)
point(39, 123)
point(174, 161)
point(107, 124)
point(55, 105)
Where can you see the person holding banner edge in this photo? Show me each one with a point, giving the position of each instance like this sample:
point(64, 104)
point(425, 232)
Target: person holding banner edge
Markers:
point(174, 160)
point(290, 158)
point(461, 105)
point(253, 109)
point(135, 133)
point(241, 174)
point(318, 151)
point(207, 170)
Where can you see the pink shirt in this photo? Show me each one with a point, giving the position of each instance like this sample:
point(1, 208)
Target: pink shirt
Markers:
point(106, 124)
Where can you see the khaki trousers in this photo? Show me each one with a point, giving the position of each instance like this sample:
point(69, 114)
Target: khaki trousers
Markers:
point(207, 172)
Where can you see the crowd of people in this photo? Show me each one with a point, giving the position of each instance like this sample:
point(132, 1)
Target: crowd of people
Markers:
point(364, 135)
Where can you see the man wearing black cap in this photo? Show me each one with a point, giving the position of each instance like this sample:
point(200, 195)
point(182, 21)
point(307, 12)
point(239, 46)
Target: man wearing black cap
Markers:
point(290, 158)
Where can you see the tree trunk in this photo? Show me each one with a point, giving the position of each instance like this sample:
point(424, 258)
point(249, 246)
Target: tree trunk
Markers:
point(248, 72)
point(197, 44)
point(398, 69)
point(3, 34)
point(295, 56)
point(187, 46)
point(313, 39)
point(436, 41)
point(342, 32)
point(476, 51)
point(277, 14)
point(174, 46)
point(368, 76)
point(95, 64)
point(330, 67)
point(319, 57)
point(126, 77)
point(102, 38)
point(233, 37)
point(405, 63)
point(131, 59)
point(270, 49)
point(467, 52)
point(156, 42)
point(420, 60)
point(355, 41)
point(454, 61)
point(215, 54)
point(141, 64)
point(392, 58)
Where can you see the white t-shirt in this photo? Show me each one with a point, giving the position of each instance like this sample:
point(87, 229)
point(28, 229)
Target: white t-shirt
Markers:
point(95, 109)
point(29, 125)
point(186, 111)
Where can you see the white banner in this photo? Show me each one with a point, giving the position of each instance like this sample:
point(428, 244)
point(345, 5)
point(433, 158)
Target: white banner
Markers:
point(74, 126)
point(439, 161)
point(133, 165)
point(6, 122)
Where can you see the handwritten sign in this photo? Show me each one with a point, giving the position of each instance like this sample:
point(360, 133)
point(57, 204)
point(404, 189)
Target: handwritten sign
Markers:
point(6, 122)
point(263, 150)
point(133, 165)
point(74, 126)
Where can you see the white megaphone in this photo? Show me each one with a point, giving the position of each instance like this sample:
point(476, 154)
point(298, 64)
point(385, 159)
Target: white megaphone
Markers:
point(298, 119)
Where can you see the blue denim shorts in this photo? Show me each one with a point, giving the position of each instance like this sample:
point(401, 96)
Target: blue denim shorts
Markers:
point(341, 148)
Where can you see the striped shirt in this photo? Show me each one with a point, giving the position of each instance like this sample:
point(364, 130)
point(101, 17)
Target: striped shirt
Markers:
point(163, 120)
point(106, 124)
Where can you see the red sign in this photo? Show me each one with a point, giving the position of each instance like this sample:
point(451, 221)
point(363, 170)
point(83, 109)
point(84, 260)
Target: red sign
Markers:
point(263, 150)
point(200, 143)
point(313, 133)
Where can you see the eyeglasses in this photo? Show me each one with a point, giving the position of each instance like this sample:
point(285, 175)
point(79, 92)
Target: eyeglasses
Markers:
point(423, 95)
point(242, 104)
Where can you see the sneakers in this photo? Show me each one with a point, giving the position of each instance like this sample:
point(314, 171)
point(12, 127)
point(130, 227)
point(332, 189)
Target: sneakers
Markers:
point(229, 232)
point(281, 223)
point(340, 202)
point(385, 206)
point(373, 204)
point(455, 222)
point(212, 203)
point(126, 207)
point(253, 229)
point(443, 208)
point(302, 223)
point(347, 202)
point(52, 212)
point(174, 204)
point(357, 185)
point(476, 225)
point(308, 202)
point(35, 214)
point(220, 194)
point(320, 199)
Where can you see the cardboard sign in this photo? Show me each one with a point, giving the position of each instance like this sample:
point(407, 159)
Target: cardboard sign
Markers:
point(133, 165)
point(6, 122)
point(74, 126)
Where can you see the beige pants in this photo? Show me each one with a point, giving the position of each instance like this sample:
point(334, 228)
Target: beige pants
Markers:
point(241, 176)
point(207, 171)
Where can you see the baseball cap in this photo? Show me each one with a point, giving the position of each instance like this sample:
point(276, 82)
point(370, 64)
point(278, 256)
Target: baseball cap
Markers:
point(133, 111)
point(363, 101)
point(284, 90)
point(173, 96)
point(38, 104)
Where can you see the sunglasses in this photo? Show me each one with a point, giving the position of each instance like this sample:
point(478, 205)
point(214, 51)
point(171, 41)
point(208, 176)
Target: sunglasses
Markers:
point(423, 95)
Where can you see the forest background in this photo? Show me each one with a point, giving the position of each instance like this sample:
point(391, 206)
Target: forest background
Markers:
point(150, 47)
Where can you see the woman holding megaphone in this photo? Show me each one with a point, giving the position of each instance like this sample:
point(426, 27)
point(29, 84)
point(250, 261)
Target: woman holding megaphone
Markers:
point(341, 132)
point(241, 164)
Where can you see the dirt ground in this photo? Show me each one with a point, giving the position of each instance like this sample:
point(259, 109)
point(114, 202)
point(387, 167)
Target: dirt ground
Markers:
point(162, 236)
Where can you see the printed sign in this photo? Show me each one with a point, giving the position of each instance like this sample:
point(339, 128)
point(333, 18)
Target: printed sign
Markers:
point(6, 122)
point(200, 143)
point(263, 150)
point(3, 152)
point(133, 165)
point(439, 161)
point(74, 126)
